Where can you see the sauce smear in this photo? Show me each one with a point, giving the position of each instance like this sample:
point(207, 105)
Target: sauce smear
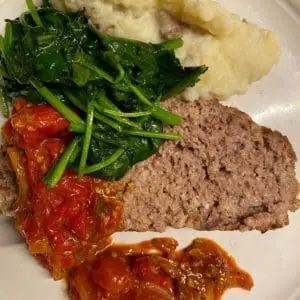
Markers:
point(154, 270)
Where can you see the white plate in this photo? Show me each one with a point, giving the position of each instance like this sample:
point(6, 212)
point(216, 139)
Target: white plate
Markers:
point(273, 259)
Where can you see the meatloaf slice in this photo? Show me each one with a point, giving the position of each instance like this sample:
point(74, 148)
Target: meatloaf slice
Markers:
point(8, 189)
point(226, 173)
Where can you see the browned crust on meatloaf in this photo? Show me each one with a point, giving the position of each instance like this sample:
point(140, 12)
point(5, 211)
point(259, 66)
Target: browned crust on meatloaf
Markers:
point(226, 173)
point(8, 189)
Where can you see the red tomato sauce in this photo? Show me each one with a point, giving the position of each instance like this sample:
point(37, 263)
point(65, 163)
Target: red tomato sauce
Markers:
point(154, 270)
point(63, 225)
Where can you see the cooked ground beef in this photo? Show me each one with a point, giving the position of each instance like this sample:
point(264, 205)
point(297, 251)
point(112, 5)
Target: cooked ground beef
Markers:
point(226, 173)
point(8, 190)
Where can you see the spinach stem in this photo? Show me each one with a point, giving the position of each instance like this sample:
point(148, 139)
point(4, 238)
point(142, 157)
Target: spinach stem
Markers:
point(166, 116)
point(58, 169)
point(121, 73)
point(157, 135)
point(138, 92)
point(117, 118)
point(80, 128)
point(74, 100)
point(97, 167)
point(127, 114)
point(45, 39)
point(104, 102)
point(1, 43)
point(97, 70)
point(172, 44)
point(158, 113)
point(8, 39)
point(53, 100)
point(87, 137)
point(34, 13)
point(117, 65)
point(77, 128)
point(108, 122)
point(75, 154)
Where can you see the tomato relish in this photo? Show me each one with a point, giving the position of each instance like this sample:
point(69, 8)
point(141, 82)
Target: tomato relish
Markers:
point(73, 221)
point(154, 270)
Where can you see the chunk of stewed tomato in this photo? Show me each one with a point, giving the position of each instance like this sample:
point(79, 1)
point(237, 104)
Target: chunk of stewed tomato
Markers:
point(34, 124)
point(148, 270)
point(112, 274)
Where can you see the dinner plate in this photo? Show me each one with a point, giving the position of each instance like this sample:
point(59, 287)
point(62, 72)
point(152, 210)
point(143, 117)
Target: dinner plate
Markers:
point(273, 258)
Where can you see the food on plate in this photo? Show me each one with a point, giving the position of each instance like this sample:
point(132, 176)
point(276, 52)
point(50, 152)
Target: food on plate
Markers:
point(8, 190)
point(69, 223)
point(64, 225)
point(226, 173)
point(109, 89)
point(154, 270)
point(84, 107)
point(68, 227)
point(236, 51)
point(95, 108)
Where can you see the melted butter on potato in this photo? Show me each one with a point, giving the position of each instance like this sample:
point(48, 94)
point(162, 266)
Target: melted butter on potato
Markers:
point(236, 52)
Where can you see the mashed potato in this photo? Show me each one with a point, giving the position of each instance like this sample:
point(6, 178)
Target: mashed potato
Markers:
point(236, 52)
